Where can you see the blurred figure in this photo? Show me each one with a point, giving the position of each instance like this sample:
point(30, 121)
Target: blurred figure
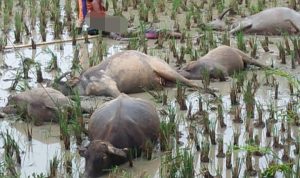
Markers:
point(88, 6)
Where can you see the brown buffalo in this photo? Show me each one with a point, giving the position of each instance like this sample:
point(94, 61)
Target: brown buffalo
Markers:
point(39, 104)
point(122, 124)
point(219, 63)
point(127, 72)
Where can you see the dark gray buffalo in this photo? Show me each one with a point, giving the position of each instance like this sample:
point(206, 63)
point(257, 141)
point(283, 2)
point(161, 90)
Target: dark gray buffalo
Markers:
point(119, 125)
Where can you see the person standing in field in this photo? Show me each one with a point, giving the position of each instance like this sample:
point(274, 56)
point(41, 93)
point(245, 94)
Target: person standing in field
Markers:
point(88, 6)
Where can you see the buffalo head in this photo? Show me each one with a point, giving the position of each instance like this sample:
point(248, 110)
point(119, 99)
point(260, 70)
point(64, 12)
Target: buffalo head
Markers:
point(100, 156)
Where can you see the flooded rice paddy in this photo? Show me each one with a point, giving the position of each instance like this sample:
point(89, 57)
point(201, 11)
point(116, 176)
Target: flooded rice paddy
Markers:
point(242, 138)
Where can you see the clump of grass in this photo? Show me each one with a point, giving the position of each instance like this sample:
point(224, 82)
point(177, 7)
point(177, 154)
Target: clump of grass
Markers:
point(265, 44)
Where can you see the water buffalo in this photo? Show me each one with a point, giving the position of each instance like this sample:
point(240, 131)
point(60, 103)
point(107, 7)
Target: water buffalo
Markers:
point(119, 125)
point(127, 72)
point(218, 63)
point(272, 21)
point(39, 104)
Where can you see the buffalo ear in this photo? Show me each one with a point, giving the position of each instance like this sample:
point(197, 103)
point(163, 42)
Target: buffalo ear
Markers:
point(82, 151)
point(117, 151)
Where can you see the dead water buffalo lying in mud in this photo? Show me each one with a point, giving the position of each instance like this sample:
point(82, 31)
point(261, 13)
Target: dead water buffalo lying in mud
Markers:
point(39, 104)
point(118, 125)
point(126, 72)
point(272, 21)
point(218, 63)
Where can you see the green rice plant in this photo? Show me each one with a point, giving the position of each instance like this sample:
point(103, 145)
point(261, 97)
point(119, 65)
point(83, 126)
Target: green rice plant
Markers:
point(167, 130)
point(68, 10)
point(241, 41)
point(6, 20)
point(237, 168)
point(39, 73)
point(8, 5)
point(18, 27)
point(229, 157)
point(220, 153)
point(11, 154)
point(204, 155)
point(273, 168)
point(181, 96)
point(187, 165)
point(42, 26)
point(221, 6)
point(225, 38)
point(63, 126)
point(249, 99)
point(54, 166)
point(53, 65)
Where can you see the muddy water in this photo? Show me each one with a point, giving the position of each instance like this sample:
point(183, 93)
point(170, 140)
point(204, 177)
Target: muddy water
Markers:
point(36, 155)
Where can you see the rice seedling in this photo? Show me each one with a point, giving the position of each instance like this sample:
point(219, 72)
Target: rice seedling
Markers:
point(175, 8)
point(292, 4)
point(233, 4)
point(42, 26)
point(241, 41)
point(181, 60)
point(167, 130)
point(63, 126)
point(53, 64)
point(187, 164)
point(18, 27)
point(11, 153)
point(143, 13)
point(204, 154)
point(77, 124)
point(39, 74)
point(220, 153)
point(293, 59)
point(225, 38)
point(236, 135)
point(286, 154)
point(188, 20)
point(237, 115)
point(180, 97)
point(205, 79)
point(260, 123)
point(249, 99)
point(273, 168)
point(221, 114)
point(212, 133)
point(53, 167)
point(237, 168)
point(276, 142)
